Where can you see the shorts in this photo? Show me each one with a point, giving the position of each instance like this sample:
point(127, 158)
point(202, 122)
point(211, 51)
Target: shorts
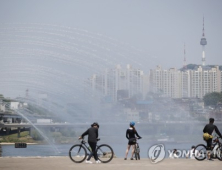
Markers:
point(132, 141)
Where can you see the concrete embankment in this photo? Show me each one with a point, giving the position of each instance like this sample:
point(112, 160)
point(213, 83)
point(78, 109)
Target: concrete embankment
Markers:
point(59, 163)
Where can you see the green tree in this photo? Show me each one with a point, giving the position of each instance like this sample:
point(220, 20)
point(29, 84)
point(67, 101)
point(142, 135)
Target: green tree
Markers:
point(212, 98)
point(1, 96)
point(191, 66)
point(68, 132)
point(36, 136)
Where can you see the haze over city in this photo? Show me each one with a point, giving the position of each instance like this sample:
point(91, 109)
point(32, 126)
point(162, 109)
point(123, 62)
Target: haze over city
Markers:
point(141, 33)
point(74, 62)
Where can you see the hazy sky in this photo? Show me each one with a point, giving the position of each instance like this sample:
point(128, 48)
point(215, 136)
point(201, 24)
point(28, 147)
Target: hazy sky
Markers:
point(159, 27)
point(38, 51)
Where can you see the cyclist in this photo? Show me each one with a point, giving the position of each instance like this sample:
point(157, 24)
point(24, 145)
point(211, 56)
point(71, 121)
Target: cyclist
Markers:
point(92, 140)
point(130, 135)
point(208, 130)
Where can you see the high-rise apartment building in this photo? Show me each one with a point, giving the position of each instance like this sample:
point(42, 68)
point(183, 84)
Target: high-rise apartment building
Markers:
point(165, 82)
point(205, 80)
point(186, 83)
point(119, 83)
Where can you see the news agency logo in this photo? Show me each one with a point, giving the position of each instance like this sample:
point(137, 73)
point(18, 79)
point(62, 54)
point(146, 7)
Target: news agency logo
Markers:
point(156, 153)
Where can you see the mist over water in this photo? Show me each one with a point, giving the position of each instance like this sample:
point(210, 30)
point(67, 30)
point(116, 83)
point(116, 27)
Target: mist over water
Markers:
point(55, 63)
point(40, 132)
point(48, 61)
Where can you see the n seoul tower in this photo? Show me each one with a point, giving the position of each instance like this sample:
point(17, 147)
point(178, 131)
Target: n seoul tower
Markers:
point(203, 42)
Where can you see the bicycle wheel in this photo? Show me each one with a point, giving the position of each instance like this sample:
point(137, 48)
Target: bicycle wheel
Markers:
point(105, 153)
point(138, 156)
point(201, 150)
point(219, 153)
point(77, 153)
point(135, 154)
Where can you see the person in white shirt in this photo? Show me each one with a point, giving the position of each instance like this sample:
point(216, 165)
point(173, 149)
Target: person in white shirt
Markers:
point(191, 153)
point(173, 155)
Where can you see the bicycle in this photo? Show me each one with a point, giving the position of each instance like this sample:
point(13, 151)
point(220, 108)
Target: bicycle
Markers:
point(79, 152)
point(137, 151)
point(215, 152)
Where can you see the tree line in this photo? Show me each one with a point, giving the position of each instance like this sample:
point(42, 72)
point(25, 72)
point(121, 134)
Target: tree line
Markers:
point(212, 99)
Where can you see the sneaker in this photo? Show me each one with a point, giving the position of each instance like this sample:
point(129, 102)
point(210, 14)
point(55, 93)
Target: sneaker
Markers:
point(98, 161)
point(131, 158)
point(210, 159)
point(88, 162)
point(125, 158)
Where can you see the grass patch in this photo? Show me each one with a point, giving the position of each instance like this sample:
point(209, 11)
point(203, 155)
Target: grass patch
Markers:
point(12, 138)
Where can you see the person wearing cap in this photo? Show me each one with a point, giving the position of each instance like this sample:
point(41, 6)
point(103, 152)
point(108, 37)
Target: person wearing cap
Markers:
point(130, 135)
point(209, 128)
point(92, 140)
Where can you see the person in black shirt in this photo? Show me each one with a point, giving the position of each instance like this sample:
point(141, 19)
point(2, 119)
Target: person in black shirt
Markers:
point(130, 135)
point(209, 128)
point(92, 140)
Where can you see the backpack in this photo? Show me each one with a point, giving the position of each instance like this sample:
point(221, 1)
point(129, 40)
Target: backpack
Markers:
point(207, 136)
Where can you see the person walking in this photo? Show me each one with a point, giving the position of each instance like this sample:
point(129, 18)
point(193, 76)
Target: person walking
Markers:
point(130, 135)
point(92, 140)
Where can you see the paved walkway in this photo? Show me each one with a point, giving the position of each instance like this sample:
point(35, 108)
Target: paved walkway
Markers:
point(64, 163)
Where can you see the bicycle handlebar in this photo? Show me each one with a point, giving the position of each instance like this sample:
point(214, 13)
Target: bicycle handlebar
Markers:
point(84, 140)
point(218, 137)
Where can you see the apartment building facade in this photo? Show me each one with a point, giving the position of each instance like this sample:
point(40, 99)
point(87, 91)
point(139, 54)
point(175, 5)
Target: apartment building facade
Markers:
point(119, 83)
point(187, 82)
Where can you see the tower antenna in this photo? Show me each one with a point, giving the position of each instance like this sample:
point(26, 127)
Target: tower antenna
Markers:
point(203, 42)
point(184, 59)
